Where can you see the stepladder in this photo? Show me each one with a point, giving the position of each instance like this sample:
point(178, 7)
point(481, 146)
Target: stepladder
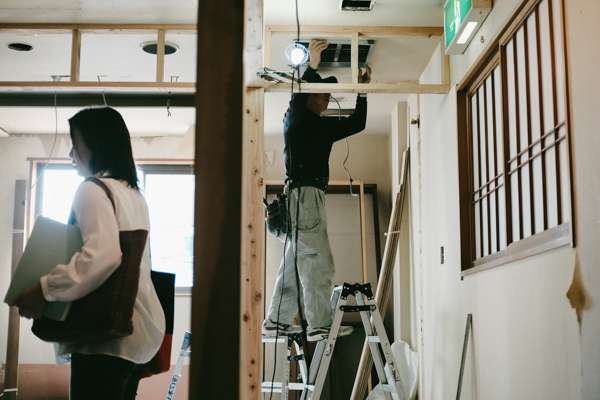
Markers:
point(285, 385)
point(183, 353)
point(313, 380)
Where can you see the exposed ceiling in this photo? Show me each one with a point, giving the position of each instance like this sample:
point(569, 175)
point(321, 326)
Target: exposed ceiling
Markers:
point(119, 58)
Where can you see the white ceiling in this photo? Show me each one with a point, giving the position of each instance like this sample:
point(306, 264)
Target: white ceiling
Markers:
point(119, 58)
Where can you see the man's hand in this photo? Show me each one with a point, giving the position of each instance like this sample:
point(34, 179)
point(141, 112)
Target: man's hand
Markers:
point(31, 302)
point(315, 47)
point(366, 77)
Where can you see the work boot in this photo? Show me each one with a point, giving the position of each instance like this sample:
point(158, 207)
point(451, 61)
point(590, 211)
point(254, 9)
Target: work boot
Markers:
point(272, 329)
point(317, 334)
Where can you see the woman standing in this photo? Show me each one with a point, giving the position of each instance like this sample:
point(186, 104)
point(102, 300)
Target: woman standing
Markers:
point(111, 369)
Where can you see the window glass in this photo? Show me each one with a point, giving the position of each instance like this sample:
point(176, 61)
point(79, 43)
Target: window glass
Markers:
point(170, 199)
point(58, 191)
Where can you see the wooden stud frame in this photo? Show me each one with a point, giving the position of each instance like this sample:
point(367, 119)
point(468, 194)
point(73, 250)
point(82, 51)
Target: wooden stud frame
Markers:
point(354, 32)
point(76, 30)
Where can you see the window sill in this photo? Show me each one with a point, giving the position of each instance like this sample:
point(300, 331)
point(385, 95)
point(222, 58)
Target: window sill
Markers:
point(551, 239)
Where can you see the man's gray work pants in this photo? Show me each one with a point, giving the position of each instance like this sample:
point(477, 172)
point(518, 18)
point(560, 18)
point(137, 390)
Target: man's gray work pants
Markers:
point(315, 263)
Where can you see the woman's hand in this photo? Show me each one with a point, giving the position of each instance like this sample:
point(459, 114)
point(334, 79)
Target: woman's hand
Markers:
point(31, 302)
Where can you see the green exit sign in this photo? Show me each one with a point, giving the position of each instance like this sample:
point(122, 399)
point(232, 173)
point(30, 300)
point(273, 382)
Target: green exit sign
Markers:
point(462, 19)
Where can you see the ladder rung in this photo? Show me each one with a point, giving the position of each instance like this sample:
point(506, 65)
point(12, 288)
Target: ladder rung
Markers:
point(389, 388)
point(375, 339)
point(266, 386)
point(280, 339)
point(310, 387)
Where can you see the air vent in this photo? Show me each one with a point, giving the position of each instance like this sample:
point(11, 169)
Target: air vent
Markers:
point(357, 5)
point(338, 53)
point(20, 47)
point(151, 48)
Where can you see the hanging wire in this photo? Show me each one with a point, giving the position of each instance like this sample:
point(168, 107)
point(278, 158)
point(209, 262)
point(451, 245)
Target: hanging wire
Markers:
point(51, 151)
point(347, 149)
point(103, 97)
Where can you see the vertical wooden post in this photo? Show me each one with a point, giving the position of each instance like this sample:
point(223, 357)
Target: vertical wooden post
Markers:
point(12, 345)
point(160, 56)
point(75, 55)
point(252, 224)
point(214, 368)
point(363, 234)
point(354, 57)
point(253, 233)
point(267, 49)
point(445, 62)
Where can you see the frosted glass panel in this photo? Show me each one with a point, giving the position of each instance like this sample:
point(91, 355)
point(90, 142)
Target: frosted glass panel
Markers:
point(551, 193)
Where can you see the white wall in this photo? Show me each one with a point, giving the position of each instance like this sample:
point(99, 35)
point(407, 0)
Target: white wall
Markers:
point(14, 152)
point(584, 58)
point(525, 338)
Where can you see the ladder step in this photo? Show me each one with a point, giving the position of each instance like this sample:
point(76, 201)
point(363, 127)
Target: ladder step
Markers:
point(358, 308)
point(279, 339)
point(389, 388)
point(266, 386)
point(374, 339)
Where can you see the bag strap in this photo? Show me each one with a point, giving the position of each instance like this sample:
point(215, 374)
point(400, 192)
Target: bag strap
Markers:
point(106, 190)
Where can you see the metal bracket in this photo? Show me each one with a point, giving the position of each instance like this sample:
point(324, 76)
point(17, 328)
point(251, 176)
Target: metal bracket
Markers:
point(349, 289)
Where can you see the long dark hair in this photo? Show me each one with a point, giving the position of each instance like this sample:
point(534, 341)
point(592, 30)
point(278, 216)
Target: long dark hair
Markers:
point(104, 132)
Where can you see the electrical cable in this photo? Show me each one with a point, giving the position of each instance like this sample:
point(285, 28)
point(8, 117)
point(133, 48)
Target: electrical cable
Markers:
point(303, 324)
point(51, 151)
point(347, 149)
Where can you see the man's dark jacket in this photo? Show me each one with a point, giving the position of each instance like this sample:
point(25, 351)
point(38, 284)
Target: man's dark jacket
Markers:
point(309, 137)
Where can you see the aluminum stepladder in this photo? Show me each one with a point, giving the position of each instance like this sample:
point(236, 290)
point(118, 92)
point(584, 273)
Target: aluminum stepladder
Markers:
point(183, 353)
point(285, 386)
point(375, 334)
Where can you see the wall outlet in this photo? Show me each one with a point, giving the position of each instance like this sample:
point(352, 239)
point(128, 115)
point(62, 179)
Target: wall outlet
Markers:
point(442, 254)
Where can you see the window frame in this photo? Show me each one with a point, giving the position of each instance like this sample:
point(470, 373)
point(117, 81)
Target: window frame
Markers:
point(494, 57)
point(152, 165)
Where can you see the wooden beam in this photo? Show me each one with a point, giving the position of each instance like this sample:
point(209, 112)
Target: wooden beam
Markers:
point(267, 49)
point(253, 44)
point(14, 321)
point(28, 29)
point(354, 57)
point(253, 247)
point(218, 169)
point(363, 233)
point(179, 87)
point(370, 31)
point(75, 55)
point(160, 56)
point(445, 62)
point(253, 212)
point(400, 88)
point(384, 284)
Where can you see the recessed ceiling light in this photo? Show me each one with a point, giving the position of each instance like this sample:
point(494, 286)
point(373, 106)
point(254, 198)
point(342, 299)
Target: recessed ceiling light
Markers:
point(20, 47)
point(151, 47)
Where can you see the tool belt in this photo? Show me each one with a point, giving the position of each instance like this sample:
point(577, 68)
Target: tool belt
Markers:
point(277, 221)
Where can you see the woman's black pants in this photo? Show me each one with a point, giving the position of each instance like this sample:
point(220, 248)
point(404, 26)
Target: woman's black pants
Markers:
point(103, 377)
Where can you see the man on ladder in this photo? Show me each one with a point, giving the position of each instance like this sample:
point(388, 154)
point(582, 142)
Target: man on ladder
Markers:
point(308, 140)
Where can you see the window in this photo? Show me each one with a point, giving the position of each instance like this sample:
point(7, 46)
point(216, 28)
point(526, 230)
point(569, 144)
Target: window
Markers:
point(514, 144)
point(169, 191)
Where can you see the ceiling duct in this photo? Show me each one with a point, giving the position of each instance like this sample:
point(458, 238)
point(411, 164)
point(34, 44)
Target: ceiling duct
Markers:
point(357, 5)
point(338, 53)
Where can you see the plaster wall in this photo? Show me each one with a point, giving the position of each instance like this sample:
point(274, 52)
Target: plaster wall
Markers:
point(582, 18)
point(14, 152)
point(525, 341)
